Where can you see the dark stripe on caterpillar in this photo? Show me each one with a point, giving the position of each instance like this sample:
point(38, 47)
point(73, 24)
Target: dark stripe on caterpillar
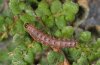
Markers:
point(45, 39)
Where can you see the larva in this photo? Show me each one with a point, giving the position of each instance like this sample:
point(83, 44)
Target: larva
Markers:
point(46, 39)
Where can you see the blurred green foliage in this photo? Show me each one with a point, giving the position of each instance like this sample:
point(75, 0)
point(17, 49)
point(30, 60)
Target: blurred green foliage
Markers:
point(1, 2)
point(55, 18)
point(98, 62)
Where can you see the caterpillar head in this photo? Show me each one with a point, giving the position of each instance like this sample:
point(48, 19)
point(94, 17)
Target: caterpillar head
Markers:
point(26, 25)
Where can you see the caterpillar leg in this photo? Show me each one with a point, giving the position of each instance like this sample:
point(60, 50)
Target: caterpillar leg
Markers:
point(57, 49)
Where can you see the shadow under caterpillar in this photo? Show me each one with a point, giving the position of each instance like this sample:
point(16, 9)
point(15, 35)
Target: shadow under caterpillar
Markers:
point(45, 39)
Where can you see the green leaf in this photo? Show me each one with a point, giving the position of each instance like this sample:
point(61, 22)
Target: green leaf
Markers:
point(74, 54)
point(60, 22)
point(16, 55)
point(19, 62)
point(18, 28)
point(67, 32)
point(36, 47)
point(94, 56)
point(69, 10)
point(54, 57)
point(28, 56)
point(69, 17)
point(48, 21)
point(43, 9)
point(26, 18)
point(85, 36)
point(56, 6)
point(70, 7)
point(58, 33)
point(22, 6)
point(83, 60)
point(8, 21)
point(14, 6)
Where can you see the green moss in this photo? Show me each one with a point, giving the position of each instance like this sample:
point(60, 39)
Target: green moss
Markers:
point(70, 7)
point(56, 6)
point(55, 57)
point(26, 18)
point(85, 36)
point(67, 32)
point(58, 33)
point(43, 9)
point(48, 21)
point(28, 56)
point(83, 60)
point(19, 62)
point(14, 6)
point(36, 48)
point(18, 28)
point(70, 17)
point(74, 54)
point(57, 19)
point(60, 22)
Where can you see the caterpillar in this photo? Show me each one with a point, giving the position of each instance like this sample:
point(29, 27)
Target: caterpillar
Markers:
point(45, 39)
